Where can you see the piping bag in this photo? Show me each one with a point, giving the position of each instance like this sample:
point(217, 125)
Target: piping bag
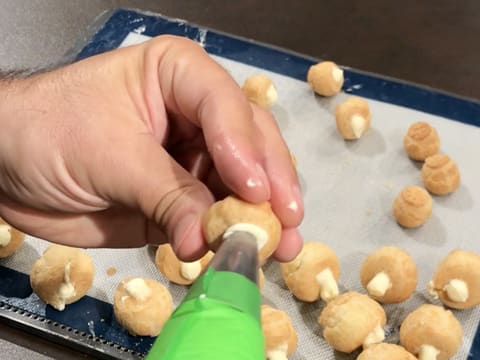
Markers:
point(220, 316)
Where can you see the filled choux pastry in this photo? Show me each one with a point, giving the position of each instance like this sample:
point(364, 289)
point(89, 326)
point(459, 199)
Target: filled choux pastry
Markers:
point(10, 239)
point(412, 207)
point(313, 274)
point(325, 78)
point(351, 320)
point(421, 141)
point(389, 275)
point(142, 306)
point(232, 214)
point(179, 272)
point(456, 281)
point(279, 333)
point(62, 275)
point(431, 333)
point(352, 118)
point(385, 351)
point(260, 90)
point(440, 174)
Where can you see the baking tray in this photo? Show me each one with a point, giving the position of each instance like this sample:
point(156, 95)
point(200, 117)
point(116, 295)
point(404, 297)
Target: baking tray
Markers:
point(348, 189)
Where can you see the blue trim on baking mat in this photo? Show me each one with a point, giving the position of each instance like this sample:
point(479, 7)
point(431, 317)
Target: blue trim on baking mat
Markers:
point(88, 315)
point(281, 61)
point(123, 21)
point(94, 316)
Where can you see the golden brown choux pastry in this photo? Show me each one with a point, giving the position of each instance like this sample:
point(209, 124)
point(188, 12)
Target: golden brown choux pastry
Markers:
point(389, 275)
point(431, 333)
point(10, 239)
point(232, 214)
point(62, 275)
point(421, 141)
point(385, 351)
point(352, 118)
point(325, 78)
point(142, 306)
point(313, 274)
point(440, 174)
point(351, 320)
point(456, 281)
point(279, 333)
point(179, 272)
point(260, 90)
point(412, 207)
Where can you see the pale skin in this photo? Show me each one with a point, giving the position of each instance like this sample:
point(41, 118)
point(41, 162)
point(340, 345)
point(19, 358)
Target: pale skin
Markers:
point(132, 146)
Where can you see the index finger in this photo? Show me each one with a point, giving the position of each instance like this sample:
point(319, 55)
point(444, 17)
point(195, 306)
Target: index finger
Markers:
point(195, 87)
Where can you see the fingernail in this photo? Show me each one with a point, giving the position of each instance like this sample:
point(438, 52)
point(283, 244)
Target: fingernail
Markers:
point(183, 231)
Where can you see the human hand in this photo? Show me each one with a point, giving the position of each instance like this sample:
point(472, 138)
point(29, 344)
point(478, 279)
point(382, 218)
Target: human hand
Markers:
point(124, 148)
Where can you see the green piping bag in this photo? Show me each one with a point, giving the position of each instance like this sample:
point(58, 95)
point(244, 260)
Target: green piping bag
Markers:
point(220, 316)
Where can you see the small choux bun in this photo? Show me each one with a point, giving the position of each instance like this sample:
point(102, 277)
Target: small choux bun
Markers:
point(352, 118)
point(389, 275)
point(412, 207)
point(325, 78)
point(385, 351)
point(456, 281)
point(431, 333)
point(176, 271)
point(440, 174)
point(142, 306)
point(260, 90)
point(232, 214)
point(279, 333)
point(313, 274)
point(62, 275)
point(351, 320)
point(10, 239)
point(421, 141)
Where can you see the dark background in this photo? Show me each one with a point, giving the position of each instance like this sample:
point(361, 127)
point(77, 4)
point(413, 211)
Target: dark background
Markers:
point(433, 43)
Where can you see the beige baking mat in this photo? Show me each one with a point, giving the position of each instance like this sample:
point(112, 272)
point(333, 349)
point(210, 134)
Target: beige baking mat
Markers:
point(348, 190)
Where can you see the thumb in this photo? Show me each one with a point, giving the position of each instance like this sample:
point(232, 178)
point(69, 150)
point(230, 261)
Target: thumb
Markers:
point(145, 177)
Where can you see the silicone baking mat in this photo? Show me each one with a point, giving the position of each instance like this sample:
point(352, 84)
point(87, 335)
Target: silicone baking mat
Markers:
point(348, 189)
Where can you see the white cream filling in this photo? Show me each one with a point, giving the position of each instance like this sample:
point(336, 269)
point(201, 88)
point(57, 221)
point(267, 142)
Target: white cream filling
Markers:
point(5, 235)
point(428, 352)
point(379, 284)
point(190, 270)
point(138, 289)
point(337, 74)
point(256, 231)
point(65, 291)
point(374, 337)
point(328, 284)
point(358, 122)
point(272, 95)
point(431, 289)
point(280, 353)
point(457, 290)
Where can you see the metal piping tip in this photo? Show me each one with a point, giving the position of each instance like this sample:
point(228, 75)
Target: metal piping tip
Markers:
point(238, 253)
